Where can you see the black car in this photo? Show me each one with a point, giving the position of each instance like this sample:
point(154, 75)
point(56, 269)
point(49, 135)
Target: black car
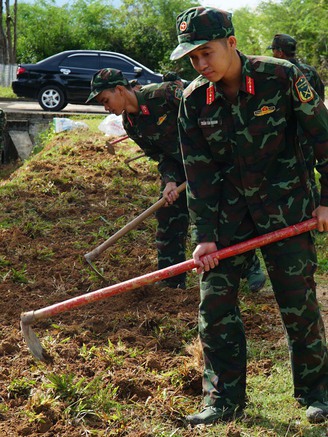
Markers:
point(65, 77)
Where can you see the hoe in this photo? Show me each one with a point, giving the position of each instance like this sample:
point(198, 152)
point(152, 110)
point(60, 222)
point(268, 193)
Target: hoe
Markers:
point(30, 317)
point(91, 256)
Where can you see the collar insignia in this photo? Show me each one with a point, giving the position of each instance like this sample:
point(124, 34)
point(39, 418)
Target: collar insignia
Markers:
point(210, 95)
point(303, 89)
point(264, 111)
point(161, 119)
point(144, 109)
point(250, 85)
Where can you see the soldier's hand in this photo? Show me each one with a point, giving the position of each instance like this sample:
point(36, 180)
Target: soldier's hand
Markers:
point(170, 193)
point(203, 260)
point(321, 214)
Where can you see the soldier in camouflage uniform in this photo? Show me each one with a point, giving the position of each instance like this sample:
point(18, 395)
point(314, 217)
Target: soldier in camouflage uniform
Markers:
point(283, 46)
point(247, 176)
point(2, 132)
point(150, 119)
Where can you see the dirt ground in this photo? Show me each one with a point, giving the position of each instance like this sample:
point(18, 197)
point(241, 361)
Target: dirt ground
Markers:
point(131, 317)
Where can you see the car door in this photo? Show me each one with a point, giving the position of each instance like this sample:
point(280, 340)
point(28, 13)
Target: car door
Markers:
point(129, 70)
point(76, 72)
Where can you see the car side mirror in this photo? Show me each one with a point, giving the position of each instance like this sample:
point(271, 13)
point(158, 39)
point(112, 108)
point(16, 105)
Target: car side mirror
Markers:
point(138, 71)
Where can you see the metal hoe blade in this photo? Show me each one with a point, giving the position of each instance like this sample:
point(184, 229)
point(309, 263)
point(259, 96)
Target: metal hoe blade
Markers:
point(95, 269)
point(32, 341)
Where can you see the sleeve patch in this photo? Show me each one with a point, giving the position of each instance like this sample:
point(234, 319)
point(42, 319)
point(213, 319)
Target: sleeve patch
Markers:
point(304, 90)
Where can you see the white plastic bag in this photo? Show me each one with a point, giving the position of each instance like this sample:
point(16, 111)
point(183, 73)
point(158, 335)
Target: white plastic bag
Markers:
point(112, 125)
point(62, 124)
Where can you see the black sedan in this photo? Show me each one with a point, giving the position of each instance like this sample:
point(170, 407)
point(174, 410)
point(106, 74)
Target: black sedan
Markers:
point(65, 77)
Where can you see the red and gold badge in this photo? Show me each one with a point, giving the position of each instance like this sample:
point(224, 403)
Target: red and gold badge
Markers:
point(183, 26)
point(210, 94)
point(161, 119)
point(264, 111)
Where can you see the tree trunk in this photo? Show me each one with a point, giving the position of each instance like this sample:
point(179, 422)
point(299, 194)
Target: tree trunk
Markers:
point(7, 40)
point(3, 42)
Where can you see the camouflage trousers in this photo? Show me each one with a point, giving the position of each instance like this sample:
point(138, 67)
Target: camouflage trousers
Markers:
point(171, 235)
point(291, 264)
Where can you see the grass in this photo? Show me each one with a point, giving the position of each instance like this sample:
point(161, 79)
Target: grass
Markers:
point(7, 92)
point(102, 382)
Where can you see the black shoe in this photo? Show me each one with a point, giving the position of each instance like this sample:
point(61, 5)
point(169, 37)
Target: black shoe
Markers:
point(211, 415)
point(255, 279)
point(317, 412)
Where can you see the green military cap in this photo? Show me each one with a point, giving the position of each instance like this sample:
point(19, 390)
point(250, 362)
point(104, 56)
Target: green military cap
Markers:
point(196, 26)
point(171, 76)
point(104, 79)
point(284, 42)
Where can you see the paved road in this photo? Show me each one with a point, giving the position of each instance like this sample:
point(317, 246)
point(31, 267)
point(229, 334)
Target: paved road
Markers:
point(32, 106)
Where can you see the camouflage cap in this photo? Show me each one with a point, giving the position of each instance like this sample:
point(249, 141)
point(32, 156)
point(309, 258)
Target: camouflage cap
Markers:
point(196, 26)
point(171, 76)
point(104, 79)
point(284, 42)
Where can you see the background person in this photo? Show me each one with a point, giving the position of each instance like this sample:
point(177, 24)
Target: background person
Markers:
point(246, 177)
point(150, 119)
point(283, 46)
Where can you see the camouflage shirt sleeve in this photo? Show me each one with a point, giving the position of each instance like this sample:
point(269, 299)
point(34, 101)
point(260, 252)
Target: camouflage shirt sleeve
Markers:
point(312, 115)
point(156, 132)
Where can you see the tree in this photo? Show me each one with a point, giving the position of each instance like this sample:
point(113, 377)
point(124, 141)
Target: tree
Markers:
point(8, 36)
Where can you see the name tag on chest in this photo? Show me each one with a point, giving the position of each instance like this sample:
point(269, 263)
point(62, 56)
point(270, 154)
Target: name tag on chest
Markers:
point(205, 122)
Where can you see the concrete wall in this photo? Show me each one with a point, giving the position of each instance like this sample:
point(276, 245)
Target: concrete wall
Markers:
point(7, 74)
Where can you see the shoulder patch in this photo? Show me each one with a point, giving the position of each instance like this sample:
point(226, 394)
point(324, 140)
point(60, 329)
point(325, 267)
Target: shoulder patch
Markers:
point(304, 90)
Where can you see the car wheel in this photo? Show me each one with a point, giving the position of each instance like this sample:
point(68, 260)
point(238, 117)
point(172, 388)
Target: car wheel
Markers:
point(52, 98)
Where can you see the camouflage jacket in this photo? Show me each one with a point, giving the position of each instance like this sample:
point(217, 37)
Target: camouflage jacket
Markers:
point(312, 76)
point(155, 128)
point(245, 157)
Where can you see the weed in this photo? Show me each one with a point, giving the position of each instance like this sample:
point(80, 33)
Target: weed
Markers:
point(87, 353)
point(4, 262)
point(34, 226)
point(41, 139)
point(20, 387)
point(44, 253)
point(19, 276)
point(84, 399)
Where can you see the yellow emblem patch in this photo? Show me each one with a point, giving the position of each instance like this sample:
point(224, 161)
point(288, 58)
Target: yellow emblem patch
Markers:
point(264, 111)
point(161, 119)
point(304, 90)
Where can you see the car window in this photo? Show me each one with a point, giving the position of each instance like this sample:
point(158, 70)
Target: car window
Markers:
point(114, 62)
point(81, 61)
